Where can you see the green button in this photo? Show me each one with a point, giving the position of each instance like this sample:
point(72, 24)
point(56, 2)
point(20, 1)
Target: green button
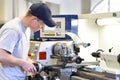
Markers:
point(114, 14)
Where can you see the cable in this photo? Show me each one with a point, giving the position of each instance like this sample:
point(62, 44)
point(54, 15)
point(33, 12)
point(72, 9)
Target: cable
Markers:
point(96, 5)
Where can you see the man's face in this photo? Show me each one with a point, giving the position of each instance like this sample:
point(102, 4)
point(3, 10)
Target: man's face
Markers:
point(37, 24)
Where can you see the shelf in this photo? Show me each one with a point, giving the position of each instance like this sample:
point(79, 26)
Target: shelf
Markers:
point(99, 15)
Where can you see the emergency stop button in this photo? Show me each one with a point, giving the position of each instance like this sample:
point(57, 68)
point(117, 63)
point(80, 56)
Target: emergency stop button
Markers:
point(42, 55)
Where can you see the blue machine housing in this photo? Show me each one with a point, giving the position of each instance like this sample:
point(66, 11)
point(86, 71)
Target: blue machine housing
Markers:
point(68, 25)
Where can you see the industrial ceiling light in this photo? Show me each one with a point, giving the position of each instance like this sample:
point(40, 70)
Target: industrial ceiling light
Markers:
point(108, 21)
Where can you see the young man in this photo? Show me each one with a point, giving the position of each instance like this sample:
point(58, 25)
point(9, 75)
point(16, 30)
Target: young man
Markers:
point(14, 41)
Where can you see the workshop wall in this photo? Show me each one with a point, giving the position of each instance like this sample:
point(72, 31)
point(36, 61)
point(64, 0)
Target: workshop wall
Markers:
point(11, 8)
point(102, 6)
point(21, 7)
point(77, 7)
point(109, 37)
point(88, 32)
point(2, 11)
point(6, 14)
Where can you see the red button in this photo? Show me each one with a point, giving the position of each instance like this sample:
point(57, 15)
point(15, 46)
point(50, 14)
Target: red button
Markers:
point(42, 55)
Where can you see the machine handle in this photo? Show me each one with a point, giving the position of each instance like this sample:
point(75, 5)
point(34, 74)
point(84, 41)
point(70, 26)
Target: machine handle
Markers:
point(38, 66)
point(96, 54)
point(118, 58)
point(78, 60)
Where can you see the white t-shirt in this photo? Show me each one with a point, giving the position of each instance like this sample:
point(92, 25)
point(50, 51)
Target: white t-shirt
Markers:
point(14, 37)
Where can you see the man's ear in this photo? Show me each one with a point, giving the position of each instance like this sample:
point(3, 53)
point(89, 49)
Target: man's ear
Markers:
point(34, 19)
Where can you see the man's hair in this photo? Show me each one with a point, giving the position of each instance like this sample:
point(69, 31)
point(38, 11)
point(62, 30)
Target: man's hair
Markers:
point(28, 13)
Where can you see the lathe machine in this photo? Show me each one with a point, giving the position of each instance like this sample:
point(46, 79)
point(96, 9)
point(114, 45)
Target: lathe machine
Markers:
point(59, 60)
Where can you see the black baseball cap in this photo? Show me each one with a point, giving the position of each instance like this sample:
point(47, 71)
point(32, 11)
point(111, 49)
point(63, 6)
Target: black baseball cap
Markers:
point(41, 11)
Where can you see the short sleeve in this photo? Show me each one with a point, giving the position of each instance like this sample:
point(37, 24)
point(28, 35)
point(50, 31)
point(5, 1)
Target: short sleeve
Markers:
point(8, 39)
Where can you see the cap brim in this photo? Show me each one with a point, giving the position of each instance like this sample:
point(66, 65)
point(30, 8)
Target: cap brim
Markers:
point(50, 22)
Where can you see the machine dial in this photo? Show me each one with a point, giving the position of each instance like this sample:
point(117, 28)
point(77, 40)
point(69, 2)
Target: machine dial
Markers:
point(60, 49)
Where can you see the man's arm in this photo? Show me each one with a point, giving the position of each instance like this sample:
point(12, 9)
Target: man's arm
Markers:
point(30, 60)
point(8, 59)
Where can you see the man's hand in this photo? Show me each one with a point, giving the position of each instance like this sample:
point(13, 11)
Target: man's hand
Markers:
point(27, 66)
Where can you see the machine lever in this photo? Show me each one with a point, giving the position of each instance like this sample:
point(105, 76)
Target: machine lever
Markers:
point(96, 54)
point(78, 60)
